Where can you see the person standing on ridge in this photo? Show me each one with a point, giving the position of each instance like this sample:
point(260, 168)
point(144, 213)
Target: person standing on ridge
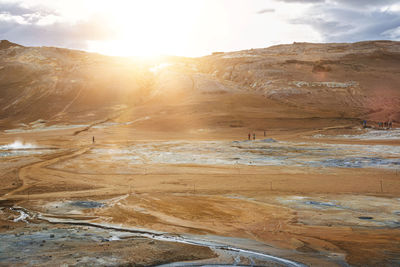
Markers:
point(249, 136)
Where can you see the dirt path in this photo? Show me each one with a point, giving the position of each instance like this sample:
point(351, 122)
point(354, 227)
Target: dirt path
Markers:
point(28, 174)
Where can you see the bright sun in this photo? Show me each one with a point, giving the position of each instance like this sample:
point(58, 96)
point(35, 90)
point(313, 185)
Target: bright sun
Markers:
point(193, 27)
point(151, 28)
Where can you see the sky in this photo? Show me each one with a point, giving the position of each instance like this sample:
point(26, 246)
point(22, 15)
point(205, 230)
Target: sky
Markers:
point(193, 27)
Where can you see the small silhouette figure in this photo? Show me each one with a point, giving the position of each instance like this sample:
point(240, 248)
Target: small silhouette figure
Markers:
point(254, 136)
point(93, 140)
point(249, 136)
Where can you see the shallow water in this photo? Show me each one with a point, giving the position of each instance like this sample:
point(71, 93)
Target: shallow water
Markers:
point(87, 204)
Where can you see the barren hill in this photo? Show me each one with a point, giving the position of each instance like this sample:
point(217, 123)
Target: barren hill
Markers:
point(280, 86)
point(360, 79)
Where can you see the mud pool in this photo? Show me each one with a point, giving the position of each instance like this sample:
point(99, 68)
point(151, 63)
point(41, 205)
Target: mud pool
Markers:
point(261, 153)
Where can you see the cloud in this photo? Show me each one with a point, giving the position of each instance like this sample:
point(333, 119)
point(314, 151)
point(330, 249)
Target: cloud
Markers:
point(14, 9)
point(38, 25)
point(302, 1)
point(266, 10)
point(348, 22)
point(358, 3)
point(57, 34)
point(393, 34)
point(325, 27)
point(361, 3)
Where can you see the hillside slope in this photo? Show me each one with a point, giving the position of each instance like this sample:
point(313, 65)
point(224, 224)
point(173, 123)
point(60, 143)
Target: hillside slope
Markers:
point(65, 85)
point(360, 79)
point(279, 86)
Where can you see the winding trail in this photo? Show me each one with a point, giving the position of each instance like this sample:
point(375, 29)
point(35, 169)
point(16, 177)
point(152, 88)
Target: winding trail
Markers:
point(28, 174)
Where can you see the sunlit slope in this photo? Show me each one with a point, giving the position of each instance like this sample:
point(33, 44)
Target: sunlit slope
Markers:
point(287, 86)
point(184, 100)
point(358, 80)
point(62, 85)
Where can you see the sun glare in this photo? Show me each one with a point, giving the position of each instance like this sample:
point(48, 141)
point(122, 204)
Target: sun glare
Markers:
point(194, 28)
point(151, 28)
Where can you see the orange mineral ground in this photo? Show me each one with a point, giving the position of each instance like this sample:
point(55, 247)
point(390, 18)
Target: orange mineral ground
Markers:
point(112, 161)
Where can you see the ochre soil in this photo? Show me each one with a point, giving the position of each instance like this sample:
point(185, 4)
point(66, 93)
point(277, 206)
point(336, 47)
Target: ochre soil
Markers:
point(233, 201)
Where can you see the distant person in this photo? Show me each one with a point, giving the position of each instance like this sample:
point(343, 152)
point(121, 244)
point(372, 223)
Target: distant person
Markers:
point(93, 139)
point(390, 124)
point(364, 124)
point(265, 133)
point(249, 136)
point(254, 136)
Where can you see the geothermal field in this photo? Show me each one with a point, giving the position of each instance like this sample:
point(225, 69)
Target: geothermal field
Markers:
point(283, 156)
